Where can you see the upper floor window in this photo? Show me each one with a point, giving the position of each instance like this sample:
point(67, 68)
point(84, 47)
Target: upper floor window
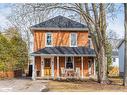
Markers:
point(73, 39)
point(90, 43)
point(48, 39)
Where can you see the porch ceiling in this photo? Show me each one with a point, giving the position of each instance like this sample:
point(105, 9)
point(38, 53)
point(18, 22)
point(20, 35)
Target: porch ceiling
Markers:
point(64, 51)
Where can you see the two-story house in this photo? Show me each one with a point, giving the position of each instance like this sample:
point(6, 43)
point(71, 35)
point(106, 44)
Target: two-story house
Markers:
point(62, 49)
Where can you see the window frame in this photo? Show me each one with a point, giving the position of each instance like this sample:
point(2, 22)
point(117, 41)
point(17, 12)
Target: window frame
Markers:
point(46, 39)
point(66, 62)
point(90, 43)
point(71, 38)
point(114, 59)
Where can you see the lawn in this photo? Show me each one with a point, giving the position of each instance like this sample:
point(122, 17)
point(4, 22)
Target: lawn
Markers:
point(87, 85)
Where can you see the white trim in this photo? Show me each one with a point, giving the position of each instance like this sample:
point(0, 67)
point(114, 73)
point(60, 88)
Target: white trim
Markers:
point(94, 67)
point(93, 55)
point(58, 67)
point(42, 66)
point(91, 44)
point(70, 39)
point(33, 69)
point(82, 66)
point(46, 39)
point(52, 66)
point(71, 29)
point(66, 61)
point(89, 67)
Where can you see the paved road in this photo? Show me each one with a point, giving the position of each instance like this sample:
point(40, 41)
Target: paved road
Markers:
point(22, 85)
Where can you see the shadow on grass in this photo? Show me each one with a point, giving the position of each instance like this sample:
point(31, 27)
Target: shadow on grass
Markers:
point(112, 81)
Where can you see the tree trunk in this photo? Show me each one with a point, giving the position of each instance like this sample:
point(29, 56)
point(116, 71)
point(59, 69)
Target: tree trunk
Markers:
point(125, 55)
point(102, 70)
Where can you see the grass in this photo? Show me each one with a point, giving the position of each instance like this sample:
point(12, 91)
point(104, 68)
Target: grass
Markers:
point(87, 85)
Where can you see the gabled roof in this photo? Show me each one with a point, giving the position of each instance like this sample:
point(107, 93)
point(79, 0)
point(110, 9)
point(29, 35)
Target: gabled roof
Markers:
point(65, 51)
point(120, 43)
point(59, 22)
point(114, 42)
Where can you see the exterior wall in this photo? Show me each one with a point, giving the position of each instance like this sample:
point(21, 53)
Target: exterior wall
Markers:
point(116, 63)
point(121, 59)
point(77, 63)
point(60, 38)
point(61, 63)
point(85, 66)
point(38, 64)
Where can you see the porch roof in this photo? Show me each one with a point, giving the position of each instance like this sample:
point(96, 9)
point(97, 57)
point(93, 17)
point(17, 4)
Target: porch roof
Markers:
point(64, 51)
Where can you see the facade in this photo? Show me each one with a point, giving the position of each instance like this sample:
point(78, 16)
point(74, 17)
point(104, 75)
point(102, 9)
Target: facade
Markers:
point(115, 58)
point(114, 44)
point(62, 49)
point(121, 57)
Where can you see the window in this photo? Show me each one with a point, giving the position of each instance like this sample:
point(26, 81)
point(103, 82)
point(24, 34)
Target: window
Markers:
point(69, 62)
point(114, 59)
point(89, 42)
point(73, 39)
point(48, 39)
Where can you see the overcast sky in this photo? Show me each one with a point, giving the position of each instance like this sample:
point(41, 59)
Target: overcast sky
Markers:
point(117, 25)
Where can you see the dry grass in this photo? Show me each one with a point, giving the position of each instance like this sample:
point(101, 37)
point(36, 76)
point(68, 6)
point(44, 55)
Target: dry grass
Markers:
point(87, 86)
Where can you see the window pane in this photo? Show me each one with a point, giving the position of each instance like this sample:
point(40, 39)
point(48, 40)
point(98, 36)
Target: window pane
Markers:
point(73, 39)
point(69, 63)
point(114, 59)
point(48, 39)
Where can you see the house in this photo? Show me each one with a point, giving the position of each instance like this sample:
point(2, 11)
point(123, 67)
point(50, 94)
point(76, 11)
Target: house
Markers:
point(62, 49)
point(115, 58)
point(121, 57)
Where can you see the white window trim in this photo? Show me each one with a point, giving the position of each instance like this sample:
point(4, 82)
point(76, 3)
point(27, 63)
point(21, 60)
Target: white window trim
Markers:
point(66, 61)
point(76, 39)
point(46, 39)
point(91, 44)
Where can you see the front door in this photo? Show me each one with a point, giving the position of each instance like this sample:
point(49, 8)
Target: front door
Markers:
point(47, 67)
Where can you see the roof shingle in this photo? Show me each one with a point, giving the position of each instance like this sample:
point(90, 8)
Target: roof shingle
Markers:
point(65, 51)
point(59, 22)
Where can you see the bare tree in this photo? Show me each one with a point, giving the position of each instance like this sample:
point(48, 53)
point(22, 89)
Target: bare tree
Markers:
point(95, 17)
point(25, 15)
point(125, 53)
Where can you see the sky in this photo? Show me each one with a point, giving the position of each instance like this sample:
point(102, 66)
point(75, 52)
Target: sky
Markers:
point(5, 10)
point(116, 25)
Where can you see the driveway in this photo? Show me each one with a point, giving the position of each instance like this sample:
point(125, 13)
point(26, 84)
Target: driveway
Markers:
point(23, 85)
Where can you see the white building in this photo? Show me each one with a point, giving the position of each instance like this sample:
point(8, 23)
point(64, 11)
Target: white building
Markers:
point(115, 58)
point(121, 57)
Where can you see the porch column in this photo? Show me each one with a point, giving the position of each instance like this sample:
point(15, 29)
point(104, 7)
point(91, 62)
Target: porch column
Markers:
point(94, 67)
point(42, 66)
point(33, 68)
point(57, 66)
point(52, 67)
point(82, 65)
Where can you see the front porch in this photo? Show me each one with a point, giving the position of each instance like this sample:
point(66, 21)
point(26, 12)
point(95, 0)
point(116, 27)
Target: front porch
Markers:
point(63, 67)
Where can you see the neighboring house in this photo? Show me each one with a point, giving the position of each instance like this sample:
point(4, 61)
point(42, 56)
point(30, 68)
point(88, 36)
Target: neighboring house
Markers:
point(121, 57)
point(115, 58)
point(62, 49)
